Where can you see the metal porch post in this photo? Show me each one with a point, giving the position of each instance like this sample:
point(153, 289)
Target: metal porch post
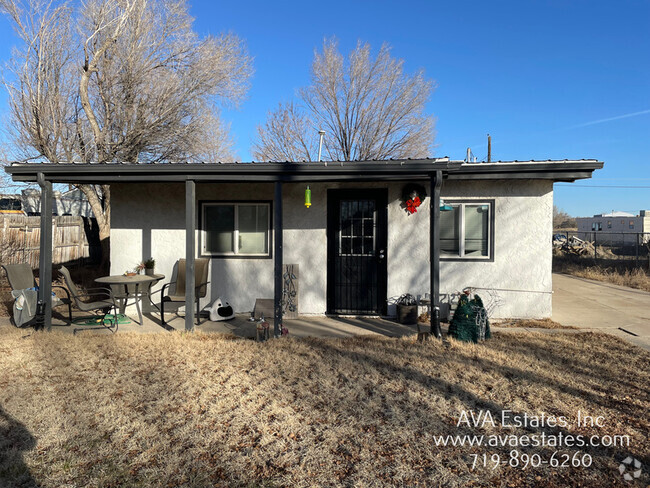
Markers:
point(277, 270)
point(434, 252)
point(190, 226)
point(45, 257)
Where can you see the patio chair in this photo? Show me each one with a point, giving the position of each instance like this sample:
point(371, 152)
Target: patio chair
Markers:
point(103, 306)
point(177, 292)
point(21, 277)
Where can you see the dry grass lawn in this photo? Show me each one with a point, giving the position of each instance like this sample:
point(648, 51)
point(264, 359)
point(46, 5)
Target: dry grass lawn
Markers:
point(196, 410)
point(633, 278)
point(532, 323)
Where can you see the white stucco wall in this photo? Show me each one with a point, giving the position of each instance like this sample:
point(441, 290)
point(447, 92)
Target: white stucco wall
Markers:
point(148, 220)
point(523, 227)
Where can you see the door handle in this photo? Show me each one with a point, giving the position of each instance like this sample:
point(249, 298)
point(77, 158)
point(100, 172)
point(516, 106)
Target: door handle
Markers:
point(382, 254)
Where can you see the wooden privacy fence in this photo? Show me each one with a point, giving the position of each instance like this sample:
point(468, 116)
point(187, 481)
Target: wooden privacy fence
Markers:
point(75, 240)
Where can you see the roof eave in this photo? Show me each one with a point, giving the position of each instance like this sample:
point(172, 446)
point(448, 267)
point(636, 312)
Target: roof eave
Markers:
point(566, 171)
point(328, 171)
point(298, 172)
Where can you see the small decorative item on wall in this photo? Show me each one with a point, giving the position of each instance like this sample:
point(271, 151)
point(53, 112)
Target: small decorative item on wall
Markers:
point(445, 207)
point(308, 197)
point(412, 197)
point(290, 291)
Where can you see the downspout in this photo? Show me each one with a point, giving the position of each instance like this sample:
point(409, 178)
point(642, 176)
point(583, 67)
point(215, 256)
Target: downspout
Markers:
point(44, 308)
point(277, 259)
point(434, 253)
point(190, 243)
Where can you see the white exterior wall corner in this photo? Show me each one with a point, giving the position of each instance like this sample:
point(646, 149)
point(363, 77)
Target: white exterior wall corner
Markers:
point(523, 225)
point(148, 220)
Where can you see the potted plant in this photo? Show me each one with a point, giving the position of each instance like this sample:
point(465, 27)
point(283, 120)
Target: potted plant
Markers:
point(138, 268)
point(149, 265)
point(407, 309)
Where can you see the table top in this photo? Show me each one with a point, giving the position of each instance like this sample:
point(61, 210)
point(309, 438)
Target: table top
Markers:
point(129, 280)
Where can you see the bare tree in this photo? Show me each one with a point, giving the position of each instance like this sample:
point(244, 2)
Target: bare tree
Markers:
point(562, 220)
point(369, 108)
point(288, 135)
point(119, 80)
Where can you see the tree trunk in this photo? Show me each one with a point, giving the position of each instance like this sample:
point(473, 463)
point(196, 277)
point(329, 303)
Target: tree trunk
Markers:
point(105, 230)
point(102, 210)
point(105, 240)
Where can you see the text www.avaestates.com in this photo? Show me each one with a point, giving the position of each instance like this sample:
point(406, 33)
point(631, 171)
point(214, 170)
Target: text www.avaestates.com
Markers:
point(532, 440)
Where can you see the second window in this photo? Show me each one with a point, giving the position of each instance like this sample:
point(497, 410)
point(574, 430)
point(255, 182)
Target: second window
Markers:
point(235, 229)
point(466, 230)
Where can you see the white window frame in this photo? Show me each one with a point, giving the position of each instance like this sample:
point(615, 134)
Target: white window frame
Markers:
point(461, 231)
point(235, 236)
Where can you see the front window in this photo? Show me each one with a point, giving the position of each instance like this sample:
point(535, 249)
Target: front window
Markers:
point(235, 229)
point(466, 230)
point(631, 224)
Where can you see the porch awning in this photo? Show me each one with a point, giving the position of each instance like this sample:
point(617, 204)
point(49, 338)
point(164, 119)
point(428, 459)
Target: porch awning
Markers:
point(329, 171)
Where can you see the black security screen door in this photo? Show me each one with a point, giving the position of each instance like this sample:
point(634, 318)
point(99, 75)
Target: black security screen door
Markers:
point(356, 235)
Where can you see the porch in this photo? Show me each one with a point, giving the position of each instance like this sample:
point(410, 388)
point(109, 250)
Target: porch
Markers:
point(278, 182)
point(161, 215)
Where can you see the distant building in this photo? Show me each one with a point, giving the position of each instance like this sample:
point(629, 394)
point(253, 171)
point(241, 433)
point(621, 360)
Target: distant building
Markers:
point(11, 204)
point(72, 203)
point(615, 228)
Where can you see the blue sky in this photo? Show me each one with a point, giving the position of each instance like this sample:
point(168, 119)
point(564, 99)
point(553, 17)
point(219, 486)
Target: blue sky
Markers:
point(547, 79)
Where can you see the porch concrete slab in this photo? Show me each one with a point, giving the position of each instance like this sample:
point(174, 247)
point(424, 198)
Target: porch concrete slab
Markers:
point(240, 326)
point(313, 326)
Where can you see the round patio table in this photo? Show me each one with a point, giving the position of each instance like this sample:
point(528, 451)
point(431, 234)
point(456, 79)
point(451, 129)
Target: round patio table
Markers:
point(132, 288)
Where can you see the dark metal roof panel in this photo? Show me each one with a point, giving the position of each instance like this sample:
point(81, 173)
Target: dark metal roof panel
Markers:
point(331, 171)
point(405, 169)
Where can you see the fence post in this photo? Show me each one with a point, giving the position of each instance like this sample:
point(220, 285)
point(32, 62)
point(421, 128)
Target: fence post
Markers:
point(595, 247)
point(636, 252)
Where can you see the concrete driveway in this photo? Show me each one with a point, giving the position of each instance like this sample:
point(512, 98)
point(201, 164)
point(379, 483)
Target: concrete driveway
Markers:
point(617, 310)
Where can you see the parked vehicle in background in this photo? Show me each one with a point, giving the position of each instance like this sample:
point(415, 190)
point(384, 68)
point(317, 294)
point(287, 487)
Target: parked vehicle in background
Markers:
point(11, 204)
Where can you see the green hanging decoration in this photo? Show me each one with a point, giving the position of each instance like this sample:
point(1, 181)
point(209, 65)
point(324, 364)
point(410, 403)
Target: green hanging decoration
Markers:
point(308, 197)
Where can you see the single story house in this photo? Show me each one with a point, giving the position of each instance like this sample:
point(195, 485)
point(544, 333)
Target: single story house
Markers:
point(361, 242)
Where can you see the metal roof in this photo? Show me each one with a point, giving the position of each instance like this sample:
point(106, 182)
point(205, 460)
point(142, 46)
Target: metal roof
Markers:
point(614, 214)
point(387, 170)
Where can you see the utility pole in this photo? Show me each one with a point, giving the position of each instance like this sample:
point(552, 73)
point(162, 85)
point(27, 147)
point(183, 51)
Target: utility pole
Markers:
point(489, 158)
point(320, 144)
